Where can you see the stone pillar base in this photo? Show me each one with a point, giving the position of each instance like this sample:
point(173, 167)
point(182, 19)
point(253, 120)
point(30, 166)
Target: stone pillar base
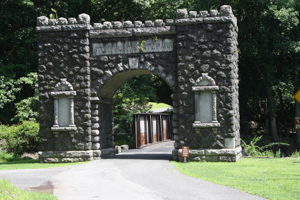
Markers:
point(210, 155)
point(74, 156)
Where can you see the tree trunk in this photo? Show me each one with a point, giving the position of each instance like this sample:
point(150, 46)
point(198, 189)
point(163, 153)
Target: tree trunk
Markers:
point(267, 125)
point(273, 128)
point(283, 115)
point(273, 121)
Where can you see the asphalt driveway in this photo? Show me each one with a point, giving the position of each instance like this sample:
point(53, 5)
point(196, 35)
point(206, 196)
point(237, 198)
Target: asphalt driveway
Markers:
point(136, 174)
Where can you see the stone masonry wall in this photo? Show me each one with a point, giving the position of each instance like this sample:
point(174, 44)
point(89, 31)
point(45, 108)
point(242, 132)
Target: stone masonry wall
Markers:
point(97, 59)
point(207, 47)
point(64, 54)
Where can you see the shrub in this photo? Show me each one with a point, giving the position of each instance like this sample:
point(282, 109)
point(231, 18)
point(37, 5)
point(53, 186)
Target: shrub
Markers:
point(277, 154)
point(256, 151)
point(20, 138)
point(267, 153)
point(5, 156)
point(124, 139)
point(295, 154)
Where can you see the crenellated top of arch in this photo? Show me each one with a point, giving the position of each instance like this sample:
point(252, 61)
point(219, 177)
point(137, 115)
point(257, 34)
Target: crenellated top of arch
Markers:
point(136, 28)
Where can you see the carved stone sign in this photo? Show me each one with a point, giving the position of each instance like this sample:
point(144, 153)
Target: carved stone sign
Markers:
point(128, 47)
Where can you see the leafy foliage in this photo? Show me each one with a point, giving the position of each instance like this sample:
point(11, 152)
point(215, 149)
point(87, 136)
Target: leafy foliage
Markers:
point(4, 156)
point(20, 138)
point(133, 97)
point(26, 109)
point(124, 139)
point(256, 151)
point(8, 91)
point(53, 15)
point(129, 99)
point(295, 154)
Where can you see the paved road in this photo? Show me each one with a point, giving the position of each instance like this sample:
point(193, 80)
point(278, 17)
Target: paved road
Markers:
point(143, 174)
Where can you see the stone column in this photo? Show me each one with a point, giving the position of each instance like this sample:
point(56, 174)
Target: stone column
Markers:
point(71, 111)
point(56, 112)
point(197, 106)
point(214, 106)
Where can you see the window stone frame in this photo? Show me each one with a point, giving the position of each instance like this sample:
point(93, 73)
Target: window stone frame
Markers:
point(205, 83)
point(59, 92)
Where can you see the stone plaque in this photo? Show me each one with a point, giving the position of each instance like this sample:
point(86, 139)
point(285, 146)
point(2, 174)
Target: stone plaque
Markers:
point(206, 111)
point(128, 47)
point(133, 63)
point(63, 111)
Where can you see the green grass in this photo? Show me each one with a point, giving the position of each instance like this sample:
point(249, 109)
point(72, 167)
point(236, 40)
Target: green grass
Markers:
point(8, 162)
point(32, 164)
point(159, 105)
point(8, 191)
point(275, 179)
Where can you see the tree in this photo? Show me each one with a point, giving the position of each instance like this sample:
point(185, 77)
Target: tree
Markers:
point(268, 46)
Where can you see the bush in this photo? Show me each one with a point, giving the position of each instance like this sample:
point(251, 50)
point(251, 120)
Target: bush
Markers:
point(295, 154)
point(256, 151)
point(124, 139)
point(6, 156)
point(20, 138)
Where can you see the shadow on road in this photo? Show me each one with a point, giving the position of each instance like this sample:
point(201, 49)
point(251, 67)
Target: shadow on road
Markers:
point(141, 156)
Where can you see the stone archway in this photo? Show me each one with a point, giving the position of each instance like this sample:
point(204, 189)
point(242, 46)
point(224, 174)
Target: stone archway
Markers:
point(102, 107)
point(196, 55)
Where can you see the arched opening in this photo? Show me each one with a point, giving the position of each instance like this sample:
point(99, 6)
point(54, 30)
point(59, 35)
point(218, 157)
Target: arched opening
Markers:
point(111, 86)
point(128, 93)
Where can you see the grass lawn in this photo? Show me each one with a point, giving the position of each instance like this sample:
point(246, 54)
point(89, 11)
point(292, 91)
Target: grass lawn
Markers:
point(159, 105)
point(8, 191)
point(275, 179)
point(32, 164)
point(8, 161)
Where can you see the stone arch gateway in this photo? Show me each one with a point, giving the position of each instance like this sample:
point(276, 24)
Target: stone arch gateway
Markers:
point(81, 66)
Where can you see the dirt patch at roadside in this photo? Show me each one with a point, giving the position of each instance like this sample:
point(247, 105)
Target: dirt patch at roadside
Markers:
point(44, 188)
